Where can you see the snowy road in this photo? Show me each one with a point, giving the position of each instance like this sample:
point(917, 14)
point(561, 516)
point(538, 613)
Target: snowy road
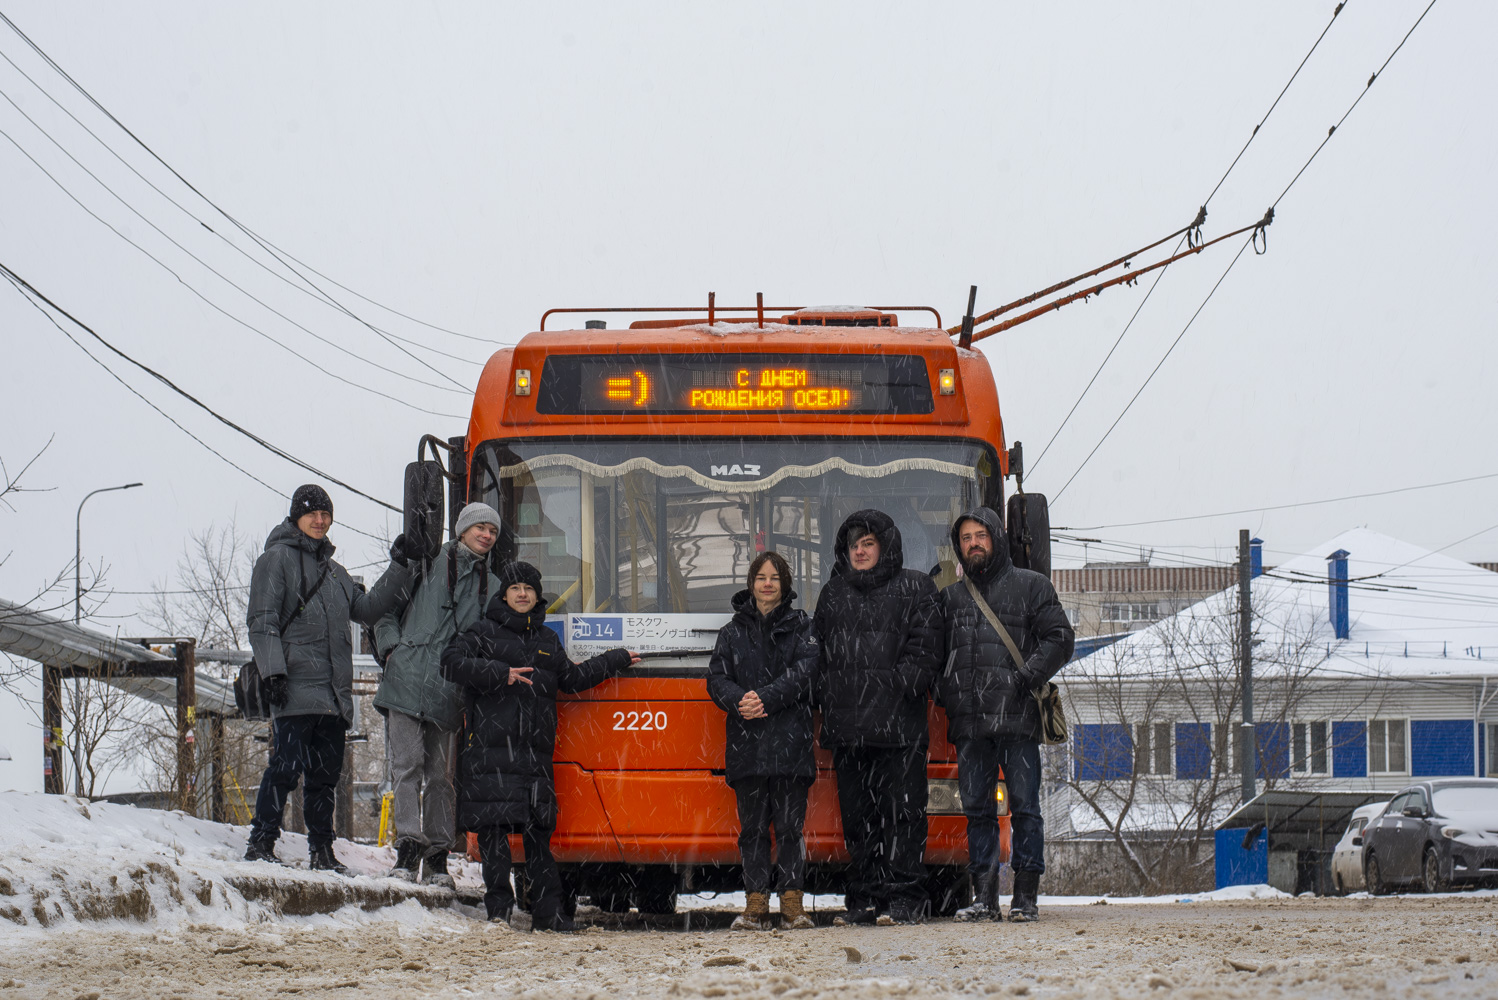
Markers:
point(1408, 946)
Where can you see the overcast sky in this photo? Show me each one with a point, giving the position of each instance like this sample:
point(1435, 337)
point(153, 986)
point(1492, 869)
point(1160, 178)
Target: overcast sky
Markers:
point(475, 164)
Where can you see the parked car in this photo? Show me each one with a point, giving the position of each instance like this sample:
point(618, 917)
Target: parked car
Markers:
point(1434, 834)
point(1347, 859)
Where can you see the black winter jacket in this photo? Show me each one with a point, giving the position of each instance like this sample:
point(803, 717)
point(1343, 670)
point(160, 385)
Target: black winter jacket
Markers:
point(504, 771)
point(880, 632)
point(775, 656)
point(985, 694)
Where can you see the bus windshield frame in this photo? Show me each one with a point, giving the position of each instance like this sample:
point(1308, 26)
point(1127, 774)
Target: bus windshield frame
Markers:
point(701, 508)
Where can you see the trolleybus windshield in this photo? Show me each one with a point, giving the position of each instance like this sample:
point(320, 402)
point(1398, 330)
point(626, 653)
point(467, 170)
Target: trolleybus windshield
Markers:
point(669, 526)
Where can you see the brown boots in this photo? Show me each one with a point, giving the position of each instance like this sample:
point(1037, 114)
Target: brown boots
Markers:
point(793, 916)
point(756, 915)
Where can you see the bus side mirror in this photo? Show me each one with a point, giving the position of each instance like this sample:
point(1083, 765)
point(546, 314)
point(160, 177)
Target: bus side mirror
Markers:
point(1028, 524)
point(424, 505)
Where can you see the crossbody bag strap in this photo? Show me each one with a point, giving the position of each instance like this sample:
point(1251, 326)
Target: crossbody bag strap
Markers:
point(303, 605)
point(993, 620)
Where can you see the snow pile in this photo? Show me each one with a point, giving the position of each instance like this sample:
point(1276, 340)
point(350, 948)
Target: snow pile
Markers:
point(65, 860)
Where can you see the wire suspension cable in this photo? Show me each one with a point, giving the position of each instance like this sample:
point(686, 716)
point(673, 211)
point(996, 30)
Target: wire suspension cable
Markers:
point(226, 313)
point(1284, 506)
point(1138, 392)
point(1254, 236)
point(282, 453)
point(269, 308)
point(313, 293)
point(188, 184)
point(1153, 285)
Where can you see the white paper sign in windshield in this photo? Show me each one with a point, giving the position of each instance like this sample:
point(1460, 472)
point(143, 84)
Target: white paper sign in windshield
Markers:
point(591, 634)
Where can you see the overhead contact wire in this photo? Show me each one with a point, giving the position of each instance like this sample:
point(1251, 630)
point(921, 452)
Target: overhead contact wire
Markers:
point(280, 452)
point(179, 246)
point(313, 293)
point(1253, 236)
point(189, 185)
point(1217, 187)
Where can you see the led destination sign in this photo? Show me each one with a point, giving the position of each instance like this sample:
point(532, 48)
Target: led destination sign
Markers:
point(686, 383)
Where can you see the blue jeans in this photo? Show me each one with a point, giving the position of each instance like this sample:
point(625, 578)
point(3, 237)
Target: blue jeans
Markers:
point(309, 747)
point(979, 762)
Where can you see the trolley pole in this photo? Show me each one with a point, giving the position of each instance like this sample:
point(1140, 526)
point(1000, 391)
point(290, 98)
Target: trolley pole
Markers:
point(1247, 744)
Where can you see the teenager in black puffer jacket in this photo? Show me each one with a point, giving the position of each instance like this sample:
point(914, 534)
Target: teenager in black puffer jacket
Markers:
point(512, 667)
point(761, 673)
point(879, 625)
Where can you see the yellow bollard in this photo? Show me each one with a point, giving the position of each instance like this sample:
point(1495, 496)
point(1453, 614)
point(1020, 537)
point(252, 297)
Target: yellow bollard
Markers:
point(386, 833)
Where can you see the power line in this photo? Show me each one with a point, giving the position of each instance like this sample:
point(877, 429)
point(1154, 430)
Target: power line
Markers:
point(215, 306)
point(1127, 326)
point(32, 291)
point(1148, 378)
point(1288, 506)
point(9, 276)
point(265, 244)
point(1268, 216)
point(312, 293)
point(1364, 93)
point(5, 272)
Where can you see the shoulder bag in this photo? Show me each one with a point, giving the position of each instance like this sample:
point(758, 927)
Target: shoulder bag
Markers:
point(249, 692)
point(1047, 696)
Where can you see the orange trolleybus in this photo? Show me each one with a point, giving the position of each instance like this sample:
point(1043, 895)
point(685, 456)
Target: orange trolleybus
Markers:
point(641, 470)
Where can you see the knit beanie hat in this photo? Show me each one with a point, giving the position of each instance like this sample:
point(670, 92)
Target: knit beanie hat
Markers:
point(308, 498)
point(476, 513)
point(515, 572)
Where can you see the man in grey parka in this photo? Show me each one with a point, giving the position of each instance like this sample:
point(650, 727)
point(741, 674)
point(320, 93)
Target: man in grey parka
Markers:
point(301, 603)
point(422, 710)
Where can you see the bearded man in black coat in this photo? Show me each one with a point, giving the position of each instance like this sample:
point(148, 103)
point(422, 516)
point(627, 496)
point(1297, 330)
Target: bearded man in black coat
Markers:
point(992, 715)
point(880, 629)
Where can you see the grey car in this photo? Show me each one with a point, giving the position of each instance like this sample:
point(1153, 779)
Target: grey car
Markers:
point(1434, 835)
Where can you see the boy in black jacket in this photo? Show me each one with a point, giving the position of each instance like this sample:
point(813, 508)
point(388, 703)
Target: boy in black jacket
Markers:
point(512, 666)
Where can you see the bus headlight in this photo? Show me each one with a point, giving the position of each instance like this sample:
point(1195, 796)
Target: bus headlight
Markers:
point(942, 797)
point(522, 381)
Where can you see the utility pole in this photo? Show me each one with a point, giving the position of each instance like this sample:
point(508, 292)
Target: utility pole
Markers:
point(1247, 746)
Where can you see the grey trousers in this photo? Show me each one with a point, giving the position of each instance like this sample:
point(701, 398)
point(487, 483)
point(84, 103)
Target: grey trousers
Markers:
point(421, 759)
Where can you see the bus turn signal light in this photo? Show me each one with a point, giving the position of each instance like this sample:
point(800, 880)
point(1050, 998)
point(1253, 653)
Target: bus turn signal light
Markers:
point(946, 381)
point(522, 381)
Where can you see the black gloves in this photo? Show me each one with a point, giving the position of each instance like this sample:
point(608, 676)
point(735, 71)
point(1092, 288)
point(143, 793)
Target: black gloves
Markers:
point(277, 690)
point(401, 550)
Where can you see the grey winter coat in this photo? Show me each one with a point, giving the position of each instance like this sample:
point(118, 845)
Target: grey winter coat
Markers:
point(316, 653)
point(985, 693)
point(413, 636)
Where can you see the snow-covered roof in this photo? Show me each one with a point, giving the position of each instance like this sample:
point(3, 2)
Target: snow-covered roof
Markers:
point(1412, 613)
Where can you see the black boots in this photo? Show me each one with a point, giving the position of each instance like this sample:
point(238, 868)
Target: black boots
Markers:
point(407, 860)
point(262, 850)
point(1022, 908)
point(436, 870)
point(985, 904)
point(324, 860)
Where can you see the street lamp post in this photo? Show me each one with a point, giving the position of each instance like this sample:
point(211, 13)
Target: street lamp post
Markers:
point(78, 549)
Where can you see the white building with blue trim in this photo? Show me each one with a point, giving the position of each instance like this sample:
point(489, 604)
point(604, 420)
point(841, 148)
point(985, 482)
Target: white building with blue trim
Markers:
point(1375, 663)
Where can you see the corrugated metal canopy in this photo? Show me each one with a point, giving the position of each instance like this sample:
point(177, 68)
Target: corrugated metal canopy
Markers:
point(33, 635)
point(1286, 812)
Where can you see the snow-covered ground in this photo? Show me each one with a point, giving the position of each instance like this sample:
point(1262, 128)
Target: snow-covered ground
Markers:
point(65, 860)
